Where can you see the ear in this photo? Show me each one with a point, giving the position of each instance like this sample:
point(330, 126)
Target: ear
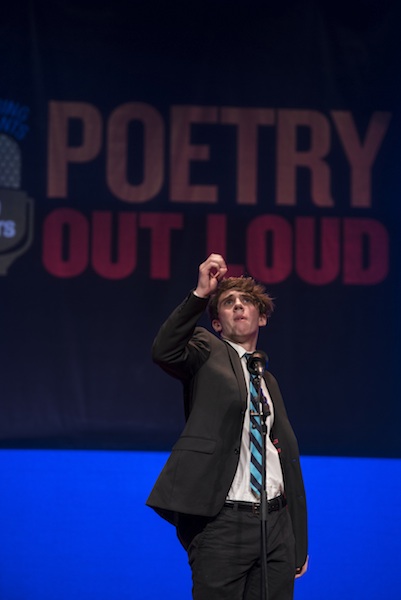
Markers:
point(262, 320)
point(216, 325)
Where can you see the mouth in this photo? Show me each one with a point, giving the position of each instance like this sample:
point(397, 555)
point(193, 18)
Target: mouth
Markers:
point(240, 318)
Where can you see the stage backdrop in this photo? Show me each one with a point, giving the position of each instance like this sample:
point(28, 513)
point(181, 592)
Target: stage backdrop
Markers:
point(135, 139)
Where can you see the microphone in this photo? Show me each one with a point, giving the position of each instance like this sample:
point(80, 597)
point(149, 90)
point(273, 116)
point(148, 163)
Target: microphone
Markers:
point(257, 363)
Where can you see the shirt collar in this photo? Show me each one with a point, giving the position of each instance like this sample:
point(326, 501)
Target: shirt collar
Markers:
point(240, 350)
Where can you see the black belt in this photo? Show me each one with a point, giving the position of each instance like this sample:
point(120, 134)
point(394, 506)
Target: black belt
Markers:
point(254, 507)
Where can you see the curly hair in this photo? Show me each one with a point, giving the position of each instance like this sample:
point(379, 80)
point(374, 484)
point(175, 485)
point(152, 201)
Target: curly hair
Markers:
point(248, 286)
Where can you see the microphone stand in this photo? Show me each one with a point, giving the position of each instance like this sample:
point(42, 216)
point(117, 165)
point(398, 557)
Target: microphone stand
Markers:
point(263, 499)
point(257, 365)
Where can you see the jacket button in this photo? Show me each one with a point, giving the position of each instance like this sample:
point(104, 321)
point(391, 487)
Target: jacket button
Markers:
point(236, 450)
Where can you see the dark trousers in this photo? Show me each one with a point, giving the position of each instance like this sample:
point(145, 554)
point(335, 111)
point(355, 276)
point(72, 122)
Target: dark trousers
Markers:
point(224, 554)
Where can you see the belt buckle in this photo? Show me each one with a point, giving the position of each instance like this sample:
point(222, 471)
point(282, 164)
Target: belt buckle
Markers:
point(255, 508)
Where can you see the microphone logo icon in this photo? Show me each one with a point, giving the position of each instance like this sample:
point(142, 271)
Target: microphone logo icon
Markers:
point(16, 207)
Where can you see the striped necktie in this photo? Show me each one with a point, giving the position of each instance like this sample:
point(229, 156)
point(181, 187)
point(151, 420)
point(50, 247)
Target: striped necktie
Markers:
point(255, 432)
point(255, 438)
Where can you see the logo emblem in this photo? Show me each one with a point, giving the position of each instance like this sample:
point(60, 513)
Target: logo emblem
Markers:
point(16, 207)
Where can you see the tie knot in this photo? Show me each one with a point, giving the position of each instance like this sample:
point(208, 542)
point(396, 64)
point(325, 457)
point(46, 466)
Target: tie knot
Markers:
point(247, 356)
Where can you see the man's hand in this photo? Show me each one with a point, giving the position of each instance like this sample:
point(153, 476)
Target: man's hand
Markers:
point(303, 570)
point(210, 273)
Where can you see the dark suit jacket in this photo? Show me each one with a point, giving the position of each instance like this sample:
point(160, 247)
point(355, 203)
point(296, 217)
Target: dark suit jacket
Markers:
point(203, 462)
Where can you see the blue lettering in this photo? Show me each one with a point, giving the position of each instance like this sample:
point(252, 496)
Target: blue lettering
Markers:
point(7, 229)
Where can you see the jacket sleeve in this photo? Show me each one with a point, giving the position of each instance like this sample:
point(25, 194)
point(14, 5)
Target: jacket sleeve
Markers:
point(180, 348)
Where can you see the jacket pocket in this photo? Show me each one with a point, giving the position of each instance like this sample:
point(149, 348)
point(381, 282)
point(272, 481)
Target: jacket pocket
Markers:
point(195, 444)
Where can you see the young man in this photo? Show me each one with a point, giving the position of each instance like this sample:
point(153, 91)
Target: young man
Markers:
point(205, 487)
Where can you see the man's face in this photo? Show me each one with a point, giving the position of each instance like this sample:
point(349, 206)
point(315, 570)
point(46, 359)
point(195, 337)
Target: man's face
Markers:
point(238, 318)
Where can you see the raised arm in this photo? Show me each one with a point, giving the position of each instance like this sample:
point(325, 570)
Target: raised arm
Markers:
point(178, 349)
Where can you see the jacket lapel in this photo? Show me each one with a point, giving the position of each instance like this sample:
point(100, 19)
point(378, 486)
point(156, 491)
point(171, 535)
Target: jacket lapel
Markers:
point(238, 371)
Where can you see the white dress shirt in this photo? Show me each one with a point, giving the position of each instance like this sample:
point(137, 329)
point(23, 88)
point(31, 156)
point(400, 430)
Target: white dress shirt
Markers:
point(240, 487)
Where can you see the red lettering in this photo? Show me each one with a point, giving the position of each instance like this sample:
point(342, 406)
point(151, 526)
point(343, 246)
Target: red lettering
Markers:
point(269, 239)
point(269, 249)
point(125, 238)
point(65, 243)
point(161, 226)
point(366, 252)
point(317, 263)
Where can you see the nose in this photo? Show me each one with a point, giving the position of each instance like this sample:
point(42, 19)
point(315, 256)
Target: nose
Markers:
point(238, 304)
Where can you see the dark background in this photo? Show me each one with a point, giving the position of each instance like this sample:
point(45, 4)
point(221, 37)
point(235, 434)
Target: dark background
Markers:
point(75, 367)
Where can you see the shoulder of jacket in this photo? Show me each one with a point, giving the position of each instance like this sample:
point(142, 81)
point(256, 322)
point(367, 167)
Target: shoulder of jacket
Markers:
point(202, 333)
